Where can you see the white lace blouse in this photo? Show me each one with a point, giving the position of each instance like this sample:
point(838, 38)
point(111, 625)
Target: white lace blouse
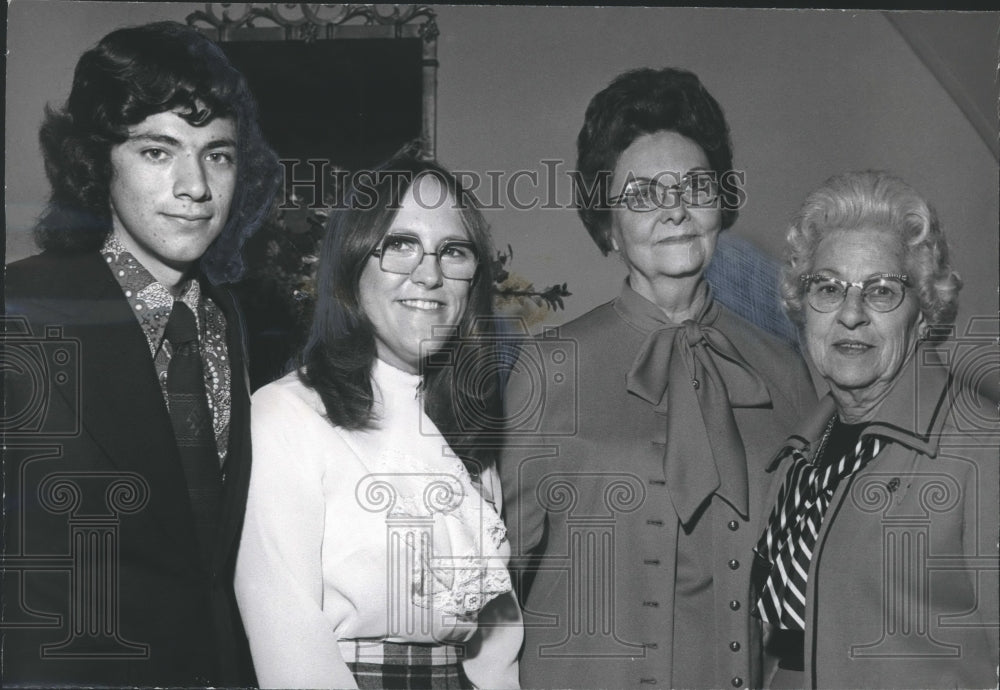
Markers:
point(368, 535)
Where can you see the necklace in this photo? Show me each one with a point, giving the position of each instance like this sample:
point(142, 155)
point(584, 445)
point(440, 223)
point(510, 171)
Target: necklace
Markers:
point(818, 455)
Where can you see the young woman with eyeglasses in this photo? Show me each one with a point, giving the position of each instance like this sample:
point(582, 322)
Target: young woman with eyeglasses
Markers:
point(374, 554)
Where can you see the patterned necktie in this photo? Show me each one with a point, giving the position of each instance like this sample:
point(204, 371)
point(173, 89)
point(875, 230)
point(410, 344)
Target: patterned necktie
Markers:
point(192, 422)
point(786, 547)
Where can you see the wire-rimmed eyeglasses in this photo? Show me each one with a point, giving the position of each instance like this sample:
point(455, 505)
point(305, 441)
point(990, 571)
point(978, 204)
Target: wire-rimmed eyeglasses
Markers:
point(401, 253)
point(882, 292)
point(696, 189)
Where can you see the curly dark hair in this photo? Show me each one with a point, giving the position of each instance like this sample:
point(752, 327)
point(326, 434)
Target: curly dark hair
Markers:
point(130, 74)
point(639, 102)
point(340, 350)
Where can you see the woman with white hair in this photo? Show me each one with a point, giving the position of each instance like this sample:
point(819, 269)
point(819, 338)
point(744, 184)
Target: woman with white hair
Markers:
point(878, 567)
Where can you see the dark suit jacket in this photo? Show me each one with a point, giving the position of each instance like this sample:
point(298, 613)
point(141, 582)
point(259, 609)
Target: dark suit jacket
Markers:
point(103, 578)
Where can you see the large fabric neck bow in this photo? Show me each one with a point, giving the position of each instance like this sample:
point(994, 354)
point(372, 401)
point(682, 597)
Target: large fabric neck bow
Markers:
point(683, 369)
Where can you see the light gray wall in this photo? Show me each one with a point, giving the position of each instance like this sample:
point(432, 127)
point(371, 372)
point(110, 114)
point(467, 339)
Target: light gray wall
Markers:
point(807, 94)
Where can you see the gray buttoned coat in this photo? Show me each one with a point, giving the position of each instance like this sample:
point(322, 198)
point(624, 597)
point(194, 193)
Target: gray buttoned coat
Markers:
point(903, 583)
point(598, 548)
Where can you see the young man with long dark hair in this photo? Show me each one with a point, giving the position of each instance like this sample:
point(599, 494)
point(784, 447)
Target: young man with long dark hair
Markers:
point(125, 488)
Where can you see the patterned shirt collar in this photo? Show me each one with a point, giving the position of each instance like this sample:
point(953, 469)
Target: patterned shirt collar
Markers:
point(150, 300)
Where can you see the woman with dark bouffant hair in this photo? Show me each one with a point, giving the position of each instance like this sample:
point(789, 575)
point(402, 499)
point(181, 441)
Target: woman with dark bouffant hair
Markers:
point(373, 552)
point(666, 432)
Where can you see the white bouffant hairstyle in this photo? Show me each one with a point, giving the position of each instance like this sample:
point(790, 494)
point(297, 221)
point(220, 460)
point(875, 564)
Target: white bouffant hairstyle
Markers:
point(873, 200)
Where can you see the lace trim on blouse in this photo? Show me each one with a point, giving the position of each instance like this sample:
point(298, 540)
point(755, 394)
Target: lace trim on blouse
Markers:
point(449, 516)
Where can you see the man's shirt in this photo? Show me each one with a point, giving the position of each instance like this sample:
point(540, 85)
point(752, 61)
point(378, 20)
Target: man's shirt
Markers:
point(152, 303)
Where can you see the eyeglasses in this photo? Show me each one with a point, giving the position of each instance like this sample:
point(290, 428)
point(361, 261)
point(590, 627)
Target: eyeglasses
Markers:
point(698, 190)
point(403, 253)
point(882, 292)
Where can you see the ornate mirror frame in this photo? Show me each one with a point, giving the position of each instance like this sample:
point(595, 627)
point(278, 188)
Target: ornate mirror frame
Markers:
point(226, 22)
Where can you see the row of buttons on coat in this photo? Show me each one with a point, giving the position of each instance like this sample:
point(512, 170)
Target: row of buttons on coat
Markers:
point(734, 605)
point(733, 564)
point(736, 682)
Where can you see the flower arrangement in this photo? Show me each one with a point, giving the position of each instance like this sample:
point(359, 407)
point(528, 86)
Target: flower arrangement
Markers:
point(514, 295)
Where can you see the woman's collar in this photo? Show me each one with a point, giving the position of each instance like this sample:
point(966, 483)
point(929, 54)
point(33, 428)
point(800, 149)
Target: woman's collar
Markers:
point(911, 413)
point(914, 410)
point(645, 316)
point(384, 372)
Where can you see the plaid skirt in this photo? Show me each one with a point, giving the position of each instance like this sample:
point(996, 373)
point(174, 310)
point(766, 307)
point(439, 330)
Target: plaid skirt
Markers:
point(380, 665)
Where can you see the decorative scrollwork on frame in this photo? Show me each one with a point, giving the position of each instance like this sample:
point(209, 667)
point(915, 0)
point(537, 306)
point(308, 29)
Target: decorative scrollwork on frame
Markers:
point(224, 20)
point(429, 31)
point(310, 21)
